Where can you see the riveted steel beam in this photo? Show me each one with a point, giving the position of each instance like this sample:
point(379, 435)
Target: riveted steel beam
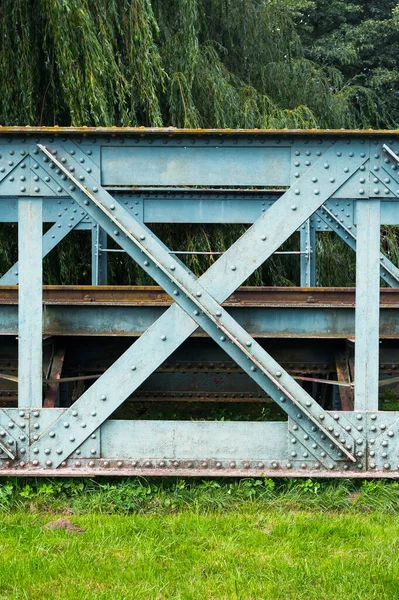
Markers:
point(185, 286)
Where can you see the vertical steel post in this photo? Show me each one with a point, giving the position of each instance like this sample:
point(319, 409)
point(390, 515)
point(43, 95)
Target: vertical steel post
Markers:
point(30, 311)
point(98, 258)
point(308, 259)
point(367, 304)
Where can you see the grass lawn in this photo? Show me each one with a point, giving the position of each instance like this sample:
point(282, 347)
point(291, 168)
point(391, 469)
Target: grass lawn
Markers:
point(266, 545)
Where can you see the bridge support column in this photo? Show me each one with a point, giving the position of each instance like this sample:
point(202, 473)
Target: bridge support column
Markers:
point(30, 312)
point(367, 305)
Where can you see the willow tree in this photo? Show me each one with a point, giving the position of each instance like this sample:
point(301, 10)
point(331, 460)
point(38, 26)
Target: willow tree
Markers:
point(186, 63)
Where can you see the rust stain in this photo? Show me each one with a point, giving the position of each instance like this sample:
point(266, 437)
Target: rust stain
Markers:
point(248, 296)
point(174, 131)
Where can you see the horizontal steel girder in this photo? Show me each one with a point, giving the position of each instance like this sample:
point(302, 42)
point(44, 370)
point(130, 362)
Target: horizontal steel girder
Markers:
point(202, 448)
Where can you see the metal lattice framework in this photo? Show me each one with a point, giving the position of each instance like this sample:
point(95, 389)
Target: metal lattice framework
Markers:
point(114, 182)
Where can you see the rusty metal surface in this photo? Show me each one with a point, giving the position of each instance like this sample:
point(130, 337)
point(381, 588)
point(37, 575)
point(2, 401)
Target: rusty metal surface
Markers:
point(244, 296)
point(176, 131)
point(100, 471)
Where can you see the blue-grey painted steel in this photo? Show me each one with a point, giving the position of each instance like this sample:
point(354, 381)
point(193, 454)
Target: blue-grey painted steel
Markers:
point(67, 220)
point(332, 183)
point(94, 319)
point(30, 319)
point(388, 271)
point(307, 234)
point(99, 258)
point(262, 363)
point(367, 305)
point(209, 165)
point(185, 440)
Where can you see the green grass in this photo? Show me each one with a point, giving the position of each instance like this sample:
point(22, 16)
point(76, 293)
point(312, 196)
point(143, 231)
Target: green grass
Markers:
point(250, 553)
point(212, 539)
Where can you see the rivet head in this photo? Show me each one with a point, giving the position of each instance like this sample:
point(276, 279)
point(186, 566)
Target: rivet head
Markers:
point(163, 337)
point(103, 398)
point(49, 463)
point(278, 373)
point(233, 268)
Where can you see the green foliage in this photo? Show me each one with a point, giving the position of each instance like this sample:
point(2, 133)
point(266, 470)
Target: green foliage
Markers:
point(196, 63)
point(358, 39)
point(157, 495)
point(199, 63)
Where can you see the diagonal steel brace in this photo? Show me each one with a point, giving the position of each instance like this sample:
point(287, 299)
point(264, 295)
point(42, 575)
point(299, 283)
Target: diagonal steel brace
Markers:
point(50, 239)
point(256, 354)
point(389, 272)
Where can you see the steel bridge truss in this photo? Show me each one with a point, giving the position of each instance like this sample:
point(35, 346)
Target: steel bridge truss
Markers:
point(114, 182)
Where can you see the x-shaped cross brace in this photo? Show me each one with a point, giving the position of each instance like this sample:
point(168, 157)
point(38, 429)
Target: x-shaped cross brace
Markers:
point(197, 303)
